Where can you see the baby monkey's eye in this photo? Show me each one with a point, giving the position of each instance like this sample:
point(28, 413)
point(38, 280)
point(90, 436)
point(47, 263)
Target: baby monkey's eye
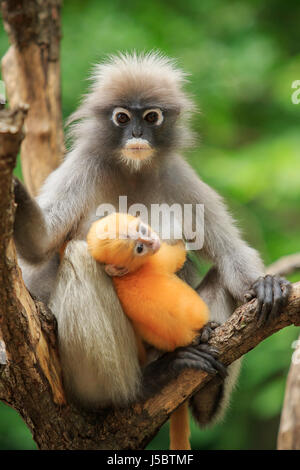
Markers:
point(153, 116)
point(120, 116)
point(139, 248)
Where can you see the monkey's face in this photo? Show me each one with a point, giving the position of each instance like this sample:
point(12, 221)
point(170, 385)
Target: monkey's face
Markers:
point(122, 242)
point(136, 114)
point(147, 243)
point(141, 132)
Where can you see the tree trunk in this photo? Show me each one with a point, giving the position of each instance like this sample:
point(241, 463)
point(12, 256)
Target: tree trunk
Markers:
point(289, 431)
point(31, 70)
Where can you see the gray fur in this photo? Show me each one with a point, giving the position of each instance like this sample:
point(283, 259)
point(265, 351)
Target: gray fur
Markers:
point(96, 373)
point(40, 279)
point(92, 174)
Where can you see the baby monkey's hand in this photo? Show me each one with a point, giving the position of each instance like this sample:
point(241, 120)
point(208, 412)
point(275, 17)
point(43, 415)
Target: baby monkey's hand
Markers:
point(113, 270)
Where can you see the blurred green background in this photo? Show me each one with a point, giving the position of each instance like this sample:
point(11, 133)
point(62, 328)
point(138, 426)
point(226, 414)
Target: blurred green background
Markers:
point(242, 58)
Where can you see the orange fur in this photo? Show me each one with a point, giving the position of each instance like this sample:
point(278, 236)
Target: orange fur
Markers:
point(180, 428)
point(164, 310)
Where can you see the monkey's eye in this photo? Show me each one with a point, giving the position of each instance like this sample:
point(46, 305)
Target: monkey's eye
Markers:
point(153, 116)
point(120, 116)
point(139, 248)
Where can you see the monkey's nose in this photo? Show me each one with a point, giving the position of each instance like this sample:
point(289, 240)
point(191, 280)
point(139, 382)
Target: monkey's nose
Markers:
point(152, 243)
point(137, 132)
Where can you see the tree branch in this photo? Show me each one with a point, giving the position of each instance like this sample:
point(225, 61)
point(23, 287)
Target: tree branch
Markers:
point(31, 71)
point(285, 266)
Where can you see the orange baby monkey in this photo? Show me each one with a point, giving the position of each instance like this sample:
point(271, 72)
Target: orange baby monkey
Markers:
point(164, 310)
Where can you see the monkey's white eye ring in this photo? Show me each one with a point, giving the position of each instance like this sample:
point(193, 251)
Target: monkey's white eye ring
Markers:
point(153, 116)
point(121, 116)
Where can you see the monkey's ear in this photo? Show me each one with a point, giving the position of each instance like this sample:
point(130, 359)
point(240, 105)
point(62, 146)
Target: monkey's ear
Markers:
point(113, 270)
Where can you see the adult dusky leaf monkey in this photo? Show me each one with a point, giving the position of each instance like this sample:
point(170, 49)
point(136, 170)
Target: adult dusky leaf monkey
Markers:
point(128, 135)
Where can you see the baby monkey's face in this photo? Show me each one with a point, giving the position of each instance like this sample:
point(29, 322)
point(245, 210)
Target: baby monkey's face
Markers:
point(146, 242)
point(122, 242)
point(132, 249)
point(140, 243)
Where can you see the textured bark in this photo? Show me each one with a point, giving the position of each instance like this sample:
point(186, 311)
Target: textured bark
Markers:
point(30, 371)
point(289, 431)
point(31, 71)
point(28, 341)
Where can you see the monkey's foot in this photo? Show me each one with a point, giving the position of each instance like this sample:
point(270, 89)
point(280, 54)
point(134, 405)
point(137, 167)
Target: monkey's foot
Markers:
point(206, 332)
point(272, 294)
point(159, 373)
point(199, 357)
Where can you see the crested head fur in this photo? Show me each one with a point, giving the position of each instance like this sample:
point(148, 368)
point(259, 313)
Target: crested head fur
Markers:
point(136, 76)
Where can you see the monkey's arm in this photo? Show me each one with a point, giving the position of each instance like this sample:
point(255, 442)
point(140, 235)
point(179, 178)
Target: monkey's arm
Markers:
point(239, 266)
point(42, 225)
point(30, 230)
point(38, 233)
point(170, 257)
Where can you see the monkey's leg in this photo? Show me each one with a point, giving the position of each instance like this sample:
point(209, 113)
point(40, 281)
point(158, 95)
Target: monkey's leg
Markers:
point(210, 403)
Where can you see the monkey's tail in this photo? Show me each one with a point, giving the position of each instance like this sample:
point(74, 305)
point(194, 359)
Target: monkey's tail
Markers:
point(180, 428)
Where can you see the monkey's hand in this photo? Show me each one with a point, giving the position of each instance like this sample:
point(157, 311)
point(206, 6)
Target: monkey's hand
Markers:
point(159, 373)
point(21, 193)
point(113, 270)
point(272, 294)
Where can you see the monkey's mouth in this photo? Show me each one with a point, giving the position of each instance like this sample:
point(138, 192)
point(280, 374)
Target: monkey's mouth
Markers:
point(139, 149)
